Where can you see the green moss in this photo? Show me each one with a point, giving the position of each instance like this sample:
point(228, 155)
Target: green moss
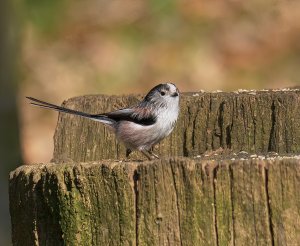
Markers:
point(179, 201)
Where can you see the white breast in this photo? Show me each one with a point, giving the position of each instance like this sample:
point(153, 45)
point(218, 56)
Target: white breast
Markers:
point(142, 137)
point(166, 121)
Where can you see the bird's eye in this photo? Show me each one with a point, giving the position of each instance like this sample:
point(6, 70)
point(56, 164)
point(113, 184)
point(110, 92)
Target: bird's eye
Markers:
point(162, 93)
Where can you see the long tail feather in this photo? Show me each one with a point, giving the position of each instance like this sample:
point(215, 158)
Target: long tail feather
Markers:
point(42, 104)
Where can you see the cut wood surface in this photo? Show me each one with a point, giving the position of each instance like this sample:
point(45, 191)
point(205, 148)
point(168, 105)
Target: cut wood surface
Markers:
point(177, 201)
point(253, 121)
point(236, 180)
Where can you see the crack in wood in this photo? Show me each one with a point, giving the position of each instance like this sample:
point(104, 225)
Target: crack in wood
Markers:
point(253, 203)
point(136, 177)
point(272, 137)
point(118, 204)
point(177, 201)
point(232, 203)
point(214, 179)
point(269, 209)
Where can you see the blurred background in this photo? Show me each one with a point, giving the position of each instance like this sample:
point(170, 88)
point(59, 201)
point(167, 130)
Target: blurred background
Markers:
point(57, 49)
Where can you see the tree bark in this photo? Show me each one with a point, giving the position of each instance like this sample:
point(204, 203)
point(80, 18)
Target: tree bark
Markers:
point(181, 201)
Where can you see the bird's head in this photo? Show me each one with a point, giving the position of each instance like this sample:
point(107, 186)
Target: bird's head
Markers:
point(164, 94)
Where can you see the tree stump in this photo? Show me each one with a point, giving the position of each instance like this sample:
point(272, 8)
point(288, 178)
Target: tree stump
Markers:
point(253, 121)
point(229, 187)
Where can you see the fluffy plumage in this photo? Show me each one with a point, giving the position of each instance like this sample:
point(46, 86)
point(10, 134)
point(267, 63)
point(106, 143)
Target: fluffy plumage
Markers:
point(139, 127)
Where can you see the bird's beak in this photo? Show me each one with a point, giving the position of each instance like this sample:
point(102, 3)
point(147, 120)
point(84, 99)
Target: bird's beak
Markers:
point(175, 94)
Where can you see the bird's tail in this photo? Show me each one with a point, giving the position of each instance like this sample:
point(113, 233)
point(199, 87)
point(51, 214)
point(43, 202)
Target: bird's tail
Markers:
point(97, 117)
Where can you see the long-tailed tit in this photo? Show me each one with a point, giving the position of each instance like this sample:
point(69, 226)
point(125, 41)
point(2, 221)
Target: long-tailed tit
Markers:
point(139, 127)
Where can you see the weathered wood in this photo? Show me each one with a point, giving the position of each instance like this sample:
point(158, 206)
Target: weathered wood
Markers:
point(283, 192)
point(181, 201)
point(219, 198)
point(256, 122)
point(65, 204)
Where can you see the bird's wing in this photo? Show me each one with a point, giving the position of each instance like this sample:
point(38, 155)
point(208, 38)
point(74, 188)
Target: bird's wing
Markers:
point(137, 115)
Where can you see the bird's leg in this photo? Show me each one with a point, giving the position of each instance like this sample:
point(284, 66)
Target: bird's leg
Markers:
point(147, 154)
point(128, 151)
point(152, 154)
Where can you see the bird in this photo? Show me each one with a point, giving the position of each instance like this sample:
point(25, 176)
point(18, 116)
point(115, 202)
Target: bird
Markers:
point(139, 127)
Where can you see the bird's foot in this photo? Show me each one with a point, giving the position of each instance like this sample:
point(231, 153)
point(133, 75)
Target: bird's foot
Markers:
point(155, 156)
point(150, 155)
